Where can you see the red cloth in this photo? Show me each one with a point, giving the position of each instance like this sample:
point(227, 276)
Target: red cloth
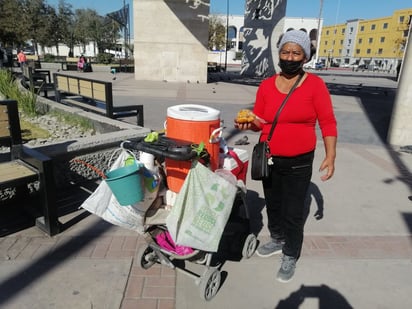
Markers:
point(295, 132)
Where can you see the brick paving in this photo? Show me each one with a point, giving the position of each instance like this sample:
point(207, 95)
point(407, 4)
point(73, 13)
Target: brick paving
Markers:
point(146, 289)
point(155, 287)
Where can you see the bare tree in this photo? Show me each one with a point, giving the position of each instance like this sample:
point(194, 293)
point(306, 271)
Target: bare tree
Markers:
point(217, 33)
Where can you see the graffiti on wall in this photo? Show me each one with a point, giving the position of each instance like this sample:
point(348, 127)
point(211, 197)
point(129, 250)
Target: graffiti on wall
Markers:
point(198, 4)
point(262, 19)
point(194, 15)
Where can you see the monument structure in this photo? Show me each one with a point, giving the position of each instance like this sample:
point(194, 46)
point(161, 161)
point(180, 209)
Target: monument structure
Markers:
point(170, 40)
point(264, 21)
point(400, 130)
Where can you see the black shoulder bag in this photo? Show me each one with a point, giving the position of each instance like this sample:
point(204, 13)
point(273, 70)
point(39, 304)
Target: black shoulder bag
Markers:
point(261, 153)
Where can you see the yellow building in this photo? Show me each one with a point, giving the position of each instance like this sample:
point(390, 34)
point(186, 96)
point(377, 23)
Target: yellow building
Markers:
point(376, 43)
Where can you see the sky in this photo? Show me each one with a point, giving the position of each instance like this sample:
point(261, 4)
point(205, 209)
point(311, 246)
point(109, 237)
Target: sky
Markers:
point(334, 11)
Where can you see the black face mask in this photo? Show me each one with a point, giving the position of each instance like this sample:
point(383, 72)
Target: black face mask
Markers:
point(290, 67)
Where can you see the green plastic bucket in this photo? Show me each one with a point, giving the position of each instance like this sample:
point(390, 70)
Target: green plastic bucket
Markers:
point(126, 184)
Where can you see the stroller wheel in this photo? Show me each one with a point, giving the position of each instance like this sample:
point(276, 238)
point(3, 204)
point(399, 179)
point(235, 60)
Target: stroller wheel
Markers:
point(147, 257)
point(249, 246)
point(210, 283)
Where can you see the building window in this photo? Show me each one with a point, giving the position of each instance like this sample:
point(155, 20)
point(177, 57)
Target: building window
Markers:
point(351, 30)
point(380, 51)
point(382, 39)
point(370, 40)
point(327, 32)
point(341, 42)
point(401, 19)
point(347, 52)
point(358, 51)
point(349, 41)
point(385, 26)
point(360, 41)
point(343, 31)
point(362, 28)
point(373, 27)
point(368, 51)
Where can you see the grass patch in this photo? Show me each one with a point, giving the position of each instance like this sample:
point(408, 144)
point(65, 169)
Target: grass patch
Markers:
point(31, 131)
point(74, 120)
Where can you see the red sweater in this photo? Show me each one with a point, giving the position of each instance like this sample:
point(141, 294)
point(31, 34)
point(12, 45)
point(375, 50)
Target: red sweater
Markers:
point(295, 132)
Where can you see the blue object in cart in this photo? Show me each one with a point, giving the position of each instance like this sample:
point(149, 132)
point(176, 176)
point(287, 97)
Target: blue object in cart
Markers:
point(126, 184)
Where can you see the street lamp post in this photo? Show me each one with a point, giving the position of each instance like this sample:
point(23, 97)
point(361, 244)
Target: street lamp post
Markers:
point(227, 32)
point(319, 32)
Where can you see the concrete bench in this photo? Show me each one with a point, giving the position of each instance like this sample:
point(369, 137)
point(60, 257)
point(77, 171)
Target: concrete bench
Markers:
point(92, 95)
point(70, 64)
point(124, 65)
point(27, 166)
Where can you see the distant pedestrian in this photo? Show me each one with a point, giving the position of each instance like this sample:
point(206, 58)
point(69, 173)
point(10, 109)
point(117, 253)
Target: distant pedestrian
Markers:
point(113, 71)
point(81, 63)
point(22, 59)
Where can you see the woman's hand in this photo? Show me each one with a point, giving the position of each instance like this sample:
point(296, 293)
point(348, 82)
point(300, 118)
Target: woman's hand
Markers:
point(247, 120)
point(254, 125)
point(329, 166)
point(328, 163)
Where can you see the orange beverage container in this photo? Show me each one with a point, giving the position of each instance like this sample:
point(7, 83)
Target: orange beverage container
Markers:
point(192, 123)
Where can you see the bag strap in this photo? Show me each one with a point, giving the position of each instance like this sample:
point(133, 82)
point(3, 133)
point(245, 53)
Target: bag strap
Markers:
point(239, 162)
point(275, 120)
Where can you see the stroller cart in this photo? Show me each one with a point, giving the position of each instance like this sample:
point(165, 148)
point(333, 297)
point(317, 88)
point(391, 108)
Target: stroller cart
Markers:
point(161, 247)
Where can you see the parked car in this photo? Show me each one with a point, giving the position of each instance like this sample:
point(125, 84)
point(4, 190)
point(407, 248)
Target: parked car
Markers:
point(319, 66)
point(28, 50)
point(361, 67)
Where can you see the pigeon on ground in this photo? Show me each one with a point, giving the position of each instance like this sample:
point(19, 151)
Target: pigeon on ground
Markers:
point(242, 141)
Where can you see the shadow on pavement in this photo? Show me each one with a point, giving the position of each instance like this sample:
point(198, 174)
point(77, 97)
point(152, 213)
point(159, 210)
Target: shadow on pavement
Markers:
point(16, 284)
point(327, 298)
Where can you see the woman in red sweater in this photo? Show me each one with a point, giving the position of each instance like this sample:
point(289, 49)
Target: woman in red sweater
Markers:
point(292, 146)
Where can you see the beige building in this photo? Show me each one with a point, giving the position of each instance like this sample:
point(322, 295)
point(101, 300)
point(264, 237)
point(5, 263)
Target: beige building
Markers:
point(378, 43)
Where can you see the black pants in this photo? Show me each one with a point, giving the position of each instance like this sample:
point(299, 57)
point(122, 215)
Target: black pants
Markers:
point(285, 192)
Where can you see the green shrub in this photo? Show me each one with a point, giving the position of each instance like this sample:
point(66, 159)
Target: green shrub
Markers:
point(104, 58)
point(49, 58)
point(10, 90)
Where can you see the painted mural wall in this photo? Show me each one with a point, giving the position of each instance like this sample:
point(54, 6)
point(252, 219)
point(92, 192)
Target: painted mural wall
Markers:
point(264, 21)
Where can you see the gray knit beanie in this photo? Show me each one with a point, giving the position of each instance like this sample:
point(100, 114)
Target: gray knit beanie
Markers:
point(298, 37)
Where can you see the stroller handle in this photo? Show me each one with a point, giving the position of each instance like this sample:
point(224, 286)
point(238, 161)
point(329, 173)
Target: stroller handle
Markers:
point(162, 149)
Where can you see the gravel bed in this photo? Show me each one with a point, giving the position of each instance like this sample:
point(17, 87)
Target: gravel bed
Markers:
point(59, 130)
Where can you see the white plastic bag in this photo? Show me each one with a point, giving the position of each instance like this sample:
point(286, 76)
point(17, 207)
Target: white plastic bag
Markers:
point(103, 203)
point(201, 210)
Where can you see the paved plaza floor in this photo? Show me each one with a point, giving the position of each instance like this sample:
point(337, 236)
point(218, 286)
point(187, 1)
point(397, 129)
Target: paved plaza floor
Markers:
point(358, 255)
